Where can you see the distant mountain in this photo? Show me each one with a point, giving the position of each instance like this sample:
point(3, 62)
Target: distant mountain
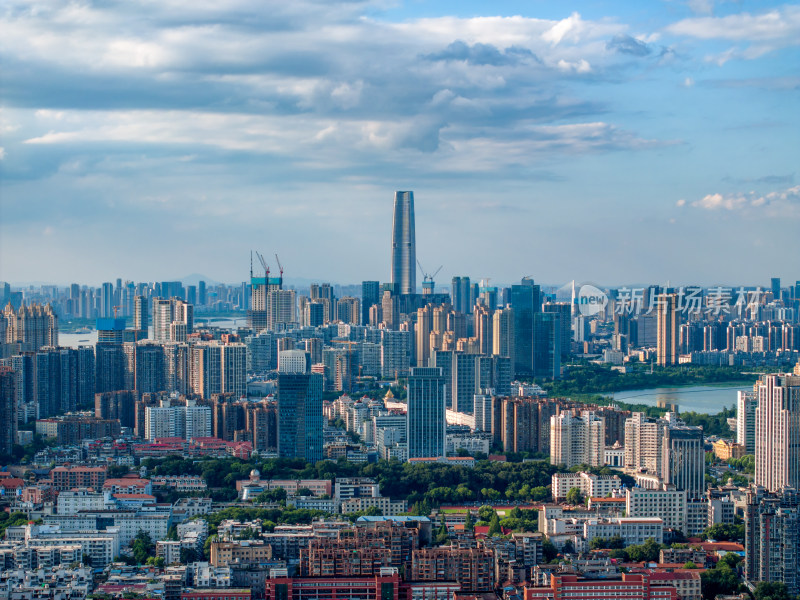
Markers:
point(194, 278)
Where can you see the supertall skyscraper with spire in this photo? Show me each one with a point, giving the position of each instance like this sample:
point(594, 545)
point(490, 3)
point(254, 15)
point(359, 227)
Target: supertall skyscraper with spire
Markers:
point(404, 245)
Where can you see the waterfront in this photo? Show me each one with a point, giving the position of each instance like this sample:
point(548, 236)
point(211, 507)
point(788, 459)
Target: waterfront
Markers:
point(709, 399)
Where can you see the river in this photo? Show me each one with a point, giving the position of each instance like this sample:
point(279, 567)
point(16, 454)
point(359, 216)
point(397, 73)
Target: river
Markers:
point(709, 399)
point(73, 340)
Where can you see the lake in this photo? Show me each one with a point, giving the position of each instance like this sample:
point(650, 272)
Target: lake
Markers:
point(709, 399)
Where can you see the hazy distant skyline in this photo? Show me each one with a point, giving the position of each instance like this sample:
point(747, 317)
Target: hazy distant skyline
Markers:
point(609, 142)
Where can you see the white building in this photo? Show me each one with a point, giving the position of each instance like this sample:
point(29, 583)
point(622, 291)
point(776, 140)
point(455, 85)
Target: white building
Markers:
point(71, 501)
point(576, 440)
point(590, 485)
point(633, 531)
point(293, 361)
point(669, 505)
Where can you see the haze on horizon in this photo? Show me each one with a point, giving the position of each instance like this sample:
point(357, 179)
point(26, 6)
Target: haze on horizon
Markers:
point(600, 142)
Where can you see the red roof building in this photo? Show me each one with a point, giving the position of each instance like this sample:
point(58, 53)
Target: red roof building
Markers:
point(630, 587)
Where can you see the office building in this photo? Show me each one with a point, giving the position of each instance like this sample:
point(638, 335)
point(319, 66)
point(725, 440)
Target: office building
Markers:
point(564, 310)
point(8, 411)
point(525, 302)
point(684, 459)
point(460, 290)
point(370, 296)
point(141, 316)
point(293, 361)
point(300, 416)
point(404, 254)
point(426, 413)
point(546, 345)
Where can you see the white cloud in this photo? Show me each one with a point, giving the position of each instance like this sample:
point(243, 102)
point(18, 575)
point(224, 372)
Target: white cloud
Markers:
point(784, 203)
point(760, 33)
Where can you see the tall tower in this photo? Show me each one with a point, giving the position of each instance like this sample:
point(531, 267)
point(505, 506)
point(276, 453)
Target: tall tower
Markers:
point(777, 431)
point(668, 323)
point(425, 420)
point(404, 245)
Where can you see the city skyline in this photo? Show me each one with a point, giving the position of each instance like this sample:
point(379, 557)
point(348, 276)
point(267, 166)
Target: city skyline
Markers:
point(560, 142)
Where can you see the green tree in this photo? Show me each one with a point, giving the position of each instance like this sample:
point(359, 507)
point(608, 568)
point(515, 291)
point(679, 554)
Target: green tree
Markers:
point(719, 581)
point(647, 552)
point(724, 532)
point(549, 550)
point(155, 561)
point(442, 536)
point(142, 547)
point(767, 590)
point(469, 524)
point(689, 565)
point(485, 513)
point(494, 525)
point(575, 496)
point(116, 471)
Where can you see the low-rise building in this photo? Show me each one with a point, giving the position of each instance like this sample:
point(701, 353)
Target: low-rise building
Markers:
point(589, 484)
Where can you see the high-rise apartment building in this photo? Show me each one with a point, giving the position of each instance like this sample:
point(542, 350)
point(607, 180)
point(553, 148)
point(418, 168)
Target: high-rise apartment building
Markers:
point(503, 333)
point(173, 319)
point(777, 432)
point(577, 439)
point(300, 416)
point(772, 537)
point(404, 253)
point(28, 328)
point(395, 353)
point(141, 316)
point(426, 413)
point(423, 334)
point(746, 403)
point(668, 324)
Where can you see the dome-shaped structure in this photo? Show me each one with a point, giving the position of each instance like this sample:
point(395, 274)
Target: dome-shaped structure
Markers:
point(255, 475)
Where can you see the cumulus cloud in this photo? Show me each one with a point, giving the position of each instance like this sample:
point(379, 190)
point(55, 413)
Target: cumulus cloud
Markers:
point(784, 203)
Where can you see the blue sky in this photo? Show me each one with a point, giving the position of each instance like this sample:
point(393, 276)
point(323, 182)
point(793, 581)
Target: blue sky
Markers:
point(606, 141)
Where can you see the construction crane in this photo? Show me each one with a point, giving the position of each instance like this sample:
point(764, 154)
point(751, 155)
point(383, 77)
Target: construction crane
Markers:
point(116, 308)
point(427, 280)
point(280, 267)
point(263, 264)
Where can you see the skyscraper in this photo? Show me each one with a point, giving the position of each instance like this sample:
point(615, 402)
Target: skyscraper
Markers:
point(300, 416)
point(546, 345)
point(426, 421)
point(370, 295)
point(525, 302)
point(684, 459)
point(8, 410)
point(404, 253)
point(777, 433)
point(668, 324)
